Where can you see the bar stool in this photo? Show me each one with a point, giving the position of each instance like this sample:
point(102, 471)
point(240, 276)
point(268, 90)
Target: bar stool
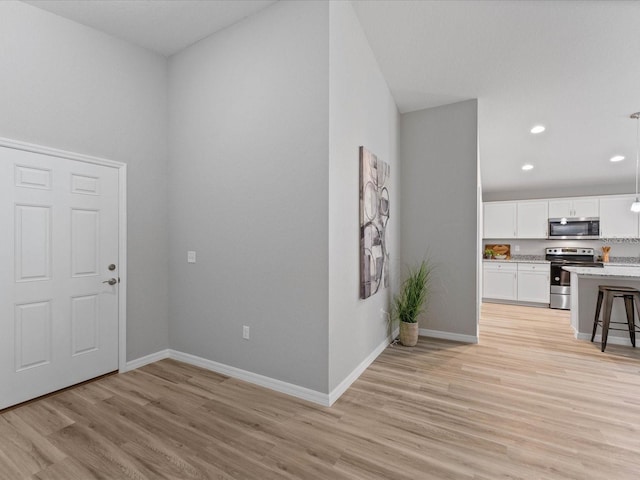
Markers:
point(607, 293)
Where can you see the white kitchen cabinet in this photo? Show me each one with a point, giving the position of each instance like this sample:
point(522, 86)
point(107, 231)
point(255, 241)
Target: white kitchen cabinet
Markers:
point(616, 218)
point(499, 219)
point(532, 219)
point(500, 280)
point(560, 208)
point(533, 282)
point(517, 282)
point(574, 207)
point(524, 219)
point(586, 207)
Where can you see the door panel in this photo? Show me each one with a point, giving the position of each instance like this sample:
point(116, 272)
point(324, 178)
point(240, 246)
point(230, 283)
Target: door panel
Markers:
point(59, 321)
point(32, 242)
point(84, 324)
point(85, 242)
point(29, 177)
point(33, 335)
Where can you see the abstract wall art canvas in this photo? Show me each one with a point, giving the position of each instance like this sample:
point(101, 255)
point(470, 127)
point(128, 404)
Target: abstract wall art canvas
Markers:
point(374, 216)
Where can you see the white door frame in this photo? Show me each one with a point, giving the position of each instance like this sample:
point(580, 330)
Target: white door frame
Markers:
point(122, 227)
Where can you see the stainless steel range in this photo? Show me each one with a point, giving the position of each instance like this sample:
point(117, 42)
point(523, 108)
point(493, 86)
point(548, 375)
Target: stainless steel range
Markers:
point(561, 279)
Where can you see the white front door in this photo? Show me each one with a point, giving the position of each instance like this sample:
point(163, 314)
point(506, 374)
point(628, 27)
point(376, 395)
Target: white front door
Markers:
point(58, 247)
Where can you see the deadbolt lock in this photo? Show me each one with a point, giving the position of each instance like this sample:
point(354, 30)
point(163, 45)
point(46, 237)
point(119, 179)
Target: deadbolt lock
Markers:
point(112, 267)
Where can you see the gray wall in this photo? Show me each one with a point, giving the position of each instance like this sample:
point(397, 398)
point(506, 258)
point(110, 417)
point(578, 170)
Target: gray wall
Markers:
point(70, 87)
point(438, 152)
point(265, 119)
point(362, 112)
point(249, 193)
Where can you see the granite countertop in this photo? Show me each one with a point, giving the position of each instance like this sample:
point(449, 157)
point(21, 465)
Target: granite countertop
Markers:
point(615, 261)
point(520, 259)
point(608, 270)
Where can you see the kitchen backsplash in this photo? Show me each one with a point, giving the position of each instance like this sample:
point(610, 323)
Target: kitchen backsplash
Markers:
point(527, 258)
point(634, 260)
point(627, 251)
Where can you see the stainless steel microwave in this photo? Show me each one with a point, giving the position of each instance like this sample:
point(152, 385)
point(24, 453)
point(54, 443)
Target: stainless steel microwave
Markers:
point(574, 228)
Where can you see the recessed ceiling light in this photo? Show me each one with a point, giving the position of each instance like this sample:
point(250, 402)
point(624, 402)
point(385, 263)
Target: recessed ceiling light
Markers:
point(538, 129)
point(527, 166)
point(617, 158)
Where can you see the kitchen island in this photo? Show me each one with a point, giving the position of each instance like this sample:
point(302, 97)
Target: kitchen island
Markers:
point(584, 294)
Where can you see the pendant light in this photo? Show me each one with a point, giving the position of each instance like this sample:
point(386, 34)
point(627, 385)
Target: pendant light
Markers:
point(635, 206)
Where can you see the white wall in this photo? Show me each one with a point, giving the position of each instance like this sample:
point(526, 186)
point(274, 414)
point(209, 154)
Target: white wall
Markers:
point(249, 119)
point(438, 152)
point(362, 112)
point(70, 87)
point(559, 191)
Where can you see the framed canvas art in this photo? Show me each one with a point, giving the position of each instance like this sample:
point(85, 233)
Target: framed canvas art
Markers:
point(374, 216)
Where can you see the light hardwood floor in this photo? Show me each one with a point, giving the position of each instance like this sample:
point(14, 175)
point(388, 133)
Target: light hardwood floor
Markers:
point(528, 402)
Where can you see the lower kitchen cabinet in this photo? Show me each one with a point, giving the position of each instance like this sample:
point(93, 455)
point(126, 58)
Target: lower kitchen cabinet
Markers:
point(533, 282)
point(517, 282)
point(500, 280)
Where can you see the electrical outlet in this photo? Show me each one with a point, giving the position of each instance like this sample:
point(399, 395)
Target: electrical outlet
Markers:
point(191, 257)
point(245, 332)
point(517, 248)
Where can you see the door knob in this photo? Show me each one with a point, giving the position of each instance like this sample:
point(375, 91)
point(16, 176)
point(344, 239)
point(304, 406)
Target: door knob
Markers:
point(111, 281)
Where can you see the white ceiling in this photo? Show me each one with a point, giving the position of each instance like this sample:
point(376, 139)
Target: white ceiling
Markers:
point(573, 66)
point(164, 26)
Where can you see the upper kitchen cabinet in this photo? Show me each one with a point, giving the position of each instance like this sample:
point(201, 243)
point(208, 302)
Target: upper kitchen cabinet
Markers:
point(574, 207)
point(526, 219)
point(616, 218)
point(499, 219)
point(532, 219)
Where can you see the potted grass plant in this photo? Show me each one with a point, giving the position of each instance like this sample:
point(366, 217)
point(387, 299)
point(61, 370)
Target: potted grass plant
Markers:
point(411, 301)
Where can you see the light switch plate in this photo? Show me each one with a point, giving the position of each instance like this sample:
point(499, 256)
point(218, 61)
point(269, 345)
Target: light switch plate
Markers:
point(191, 256)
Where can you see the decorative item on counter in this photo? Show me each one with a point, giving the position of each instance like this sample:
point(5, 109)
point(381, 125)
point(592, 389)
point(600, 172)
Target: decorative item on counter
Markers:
point(488, 253)
point(605, 253)
point(500, 252)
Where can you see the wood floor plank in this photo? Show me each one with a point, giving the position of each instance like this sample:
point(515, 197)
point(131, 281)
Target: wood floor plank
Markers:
point(527, 402)
point(24, 450)
point(69, 468)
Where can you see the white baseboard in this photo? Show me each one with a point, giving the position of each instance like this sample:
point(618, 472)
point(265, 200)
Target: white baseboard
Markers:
point(456, 337)
point(297, 391)
point(255, 378)
point(611, 339)
point(342, 387)
point(515, 302)
point(146, 360)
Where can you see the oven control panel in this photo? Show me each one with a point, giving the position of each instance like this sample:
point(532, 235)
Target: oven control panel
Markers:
point(570, 251)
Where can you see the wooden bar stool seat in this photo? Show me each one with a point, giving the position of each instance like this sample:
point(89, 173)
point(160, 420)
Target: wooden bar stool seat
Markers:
point(606, 295)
